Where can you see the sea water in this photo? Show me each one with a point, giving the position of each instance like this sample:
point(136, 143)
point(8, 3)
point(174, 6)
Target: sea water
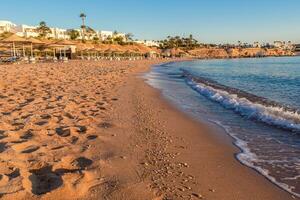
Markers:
point(255, 100)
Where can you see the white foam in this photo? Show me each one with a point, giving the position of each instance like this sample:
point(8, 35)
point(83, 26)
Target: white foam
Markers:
point(249, 159)
point(275, 116)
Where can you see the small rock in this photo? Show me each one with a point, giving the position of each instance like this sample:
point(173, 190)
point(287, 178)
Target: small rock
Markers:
point(212, 190)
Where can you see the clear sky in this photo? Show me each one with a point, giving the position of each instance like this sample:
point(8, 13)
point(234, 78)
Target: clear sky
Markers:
point(210, 21)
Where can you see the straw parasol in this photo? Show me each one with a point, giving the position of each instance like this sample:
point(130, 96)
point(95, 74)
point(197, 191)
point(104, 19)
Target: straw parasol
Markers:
point(14, 39)
point(32, 41)
point(61, 44)
point(64, 42)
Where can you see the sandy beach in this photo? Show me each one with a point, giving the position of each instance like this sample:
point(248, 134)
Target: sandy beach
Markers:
point(96, 130)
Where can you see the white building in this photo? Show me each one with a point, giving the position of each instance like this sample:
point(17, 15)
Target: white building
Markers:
point(103, 35)
point(290, 45)
point(59, 33)
point(56, 33)
point(26, 31)
point(279, 44)
point(149, 43)
point(122, 35)
point(256, 45)
point(6, 26)
point(89, 36)
point(283, 45)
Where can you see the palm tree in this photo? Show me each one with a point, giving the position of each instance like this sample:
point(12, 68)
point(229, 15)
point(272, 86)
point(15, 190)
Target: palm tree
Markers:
point(83, 17)
point(43, 29)
point(74, 34)
point(115, 33)
point(129, 37)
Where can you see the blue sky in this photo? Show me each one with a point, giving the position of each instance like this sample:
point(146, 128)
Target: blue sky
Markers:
point(210, 21)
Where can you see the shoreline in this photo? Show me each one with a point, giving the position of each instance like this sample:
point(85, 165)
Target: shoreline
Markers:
point(223, 138)
point(132, 144)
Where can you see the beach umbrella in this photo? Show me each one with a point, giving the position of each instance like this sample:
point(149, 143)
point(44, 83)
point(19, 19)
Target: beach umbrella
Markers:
point(62, 44)
point(33, 41)
point(47, 50)
point(14, 39)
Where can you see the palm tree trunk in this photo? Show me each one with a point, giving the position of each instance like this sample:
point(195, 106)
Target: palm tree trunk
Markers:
point(83, 29)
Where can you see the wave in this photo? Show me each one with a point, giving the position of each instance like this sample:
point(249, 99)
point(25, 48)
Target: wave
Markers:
point(250, 159)
point(246, 104)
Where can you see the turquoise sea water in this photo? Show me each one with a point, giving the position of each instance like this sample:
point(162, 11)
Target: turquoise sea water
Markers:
point(257, 102)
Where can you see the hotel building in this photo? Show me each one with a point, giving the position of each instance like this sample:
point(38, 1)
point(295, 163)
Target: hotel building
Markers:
point(56, 33)
point(6, 26)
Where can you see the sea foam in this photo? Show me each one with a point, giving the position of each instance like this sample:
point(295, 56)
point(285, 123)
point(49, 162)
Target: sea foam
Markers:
point(262, 110)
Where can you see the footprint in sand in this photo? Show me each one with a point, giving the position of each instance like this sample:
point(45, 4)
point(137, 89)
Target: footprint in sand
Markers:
point(41, 123)
point(14, 174)
point(91, 137)
point(18, 125)
point(3, 146)
point(81, 129)
point(2, 136)
point(11, 182)
point(74, 139)
point(27, 135)
point(63, 132)
point(30, 149)
point(18, 141)
point(44, 180)
point(105, 125)
point(6, 113)
point(68, 115)
point(45, 116)
point(81, 163)
point(102, 108)
point(58, 147)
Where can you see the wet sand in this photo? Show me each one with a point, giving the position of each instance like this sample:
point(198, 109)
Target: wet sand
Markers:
point(95, 130)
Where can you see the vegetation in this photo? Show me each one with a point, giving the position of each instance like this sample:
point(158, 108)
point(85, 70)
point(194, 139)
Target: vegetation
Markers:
point(89, 32)
point(96, 39)
point(187, 43)
point(43, 29)
point(118, 39)
point(74, 34)
point(129, 37)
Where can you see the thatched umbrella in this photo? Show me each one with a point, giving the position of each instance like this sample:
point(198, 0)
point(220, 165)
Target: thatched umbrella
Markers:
point(33, 41)
point(61, 44)
point(84, 47)
point(14, 39)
